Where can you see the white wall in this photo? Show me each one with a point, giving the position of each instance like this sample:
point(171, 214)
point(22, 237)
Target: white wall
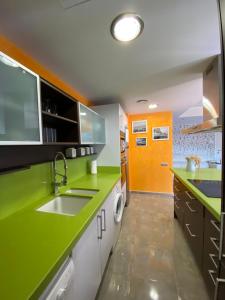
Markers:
point(110, 153)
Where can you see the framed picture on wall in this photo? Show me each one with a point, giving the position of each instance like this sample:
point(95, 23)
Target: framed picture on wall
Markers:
point(160, 133)
point(139, 126)
point(141, 141)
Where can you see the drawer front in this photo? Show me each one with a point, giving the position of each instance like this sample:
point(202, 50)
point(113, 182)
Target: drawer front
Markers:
point(193, 211)
point(211, 251)
point(179, 210)
point(209, 274)
point(211, 283)
point(192, 204)
point(178, 187)
point(212, 233)
point(178, 201)
point(193, 228)
point(221, 289)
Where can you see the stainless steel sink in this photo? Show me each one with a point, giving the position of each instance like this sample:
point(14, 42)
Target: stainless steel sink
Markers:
point(65, 205)
point(82, 191)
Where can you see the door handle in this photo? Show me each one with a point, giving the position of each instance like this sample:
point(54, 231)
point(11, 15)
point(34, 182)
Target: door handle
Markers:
point(189, 231)
point(215, 225)
point(213, 256)
point(189, 195)
point(176, 180)
point(177, 198)
point(220, 248)
point(213, 240)
point(100, 218)
point(221, 236)
point(211, 272)
point(176, 189)
point(175, 203)
point(104, 217)
point(189, 207)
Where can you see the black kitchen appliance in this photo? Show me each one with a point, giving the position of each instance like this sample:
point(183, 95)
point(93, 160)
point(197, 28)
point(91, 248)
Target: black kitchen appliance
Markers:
point(210, 188)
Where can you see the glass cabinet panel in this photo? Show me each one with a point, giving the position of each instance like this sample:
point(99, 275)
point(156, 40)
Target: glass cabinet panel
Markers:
point(92, 126)
point(19, 104)
point(86, 125)
point(99, 129)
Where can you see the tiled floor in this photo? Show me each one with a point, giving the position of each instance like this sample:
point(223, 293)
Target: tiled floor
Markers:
point(152, 259)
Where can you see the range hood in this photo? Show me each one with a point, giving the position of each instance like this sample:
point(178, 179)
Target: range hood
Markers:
point(212, 99)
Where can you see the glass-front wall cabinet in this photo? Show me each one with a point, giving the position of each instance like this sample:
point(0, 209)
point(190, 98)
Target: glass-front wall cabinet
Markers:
point(92, 126)
point(99, 129)
point(19, 104)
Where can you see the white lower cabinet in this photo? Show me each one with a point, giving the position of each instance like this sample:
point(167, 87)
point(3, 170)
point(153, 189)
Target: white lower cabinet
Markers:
point(87, 270)
point(92, 251)
point(106, 243)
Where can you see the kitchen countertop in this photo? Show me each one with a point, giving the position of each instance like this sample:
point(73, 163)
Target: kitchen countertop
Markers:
point(212, 204)
point(34, 244)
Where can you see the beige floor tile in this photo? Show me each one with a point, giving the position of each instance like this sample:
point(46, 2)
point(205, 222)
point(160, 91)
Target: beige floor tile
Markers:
point(152, 260)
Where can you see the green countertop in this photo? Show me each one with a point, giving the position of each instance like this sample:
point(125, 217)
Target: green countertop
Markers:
point(212, 204)
point(34, 244)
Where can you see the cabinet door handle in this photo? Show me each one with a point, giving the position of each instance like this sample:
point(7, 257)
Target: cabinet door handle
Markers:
point(215, 225)
point(189, 195)
point(213, 240)
point(176, 180)
point(176, 189)
point(221, 236)
point(189, 231)
point(211, 272)
point(175, 203)
point(177, 198)
point(104, 217)
point(218, 281)
point(213, 256)
point(189, 207)
point(100, 218)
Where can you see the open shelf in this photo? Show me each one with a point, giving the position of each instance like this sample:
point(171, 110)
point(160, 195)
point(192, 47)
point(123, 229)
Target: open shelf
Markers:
point(59, 116)
point(55, 118)
point(60, 143)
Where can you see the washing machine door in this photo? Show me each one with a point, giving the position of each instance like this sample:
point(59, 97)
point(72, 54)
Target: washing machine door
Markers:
point(118, 207)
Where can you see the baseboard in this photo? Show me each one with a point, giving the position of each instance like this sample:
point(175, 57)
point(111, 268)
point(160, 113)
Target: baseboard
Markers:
point(170, 195)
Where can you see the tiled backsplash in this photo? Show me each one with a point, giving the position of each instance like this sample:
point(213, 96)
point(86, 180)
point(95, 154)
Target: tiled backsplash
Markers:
point(205, 145)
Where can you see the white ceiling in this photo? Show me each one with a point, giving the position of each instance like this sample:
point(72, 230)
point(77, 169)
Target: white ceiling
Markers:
point(178, 39)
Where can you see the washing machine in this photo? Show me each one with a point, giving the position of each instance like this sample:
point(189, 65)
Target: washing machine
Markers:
point(118, 207)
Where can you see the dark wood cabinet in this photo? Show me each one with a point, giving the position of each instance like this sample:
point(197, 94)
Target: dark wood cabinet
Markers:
point(178, 201)
point(202, 232)
point(211, 256)
point(189, 213)
point(211, 251)
point(221, 287)
point(59, 116)
point(193, 225)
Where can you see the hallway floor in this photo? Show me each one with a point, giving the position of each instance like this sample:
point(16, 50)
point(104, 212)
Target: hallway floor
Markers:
point(152, 259)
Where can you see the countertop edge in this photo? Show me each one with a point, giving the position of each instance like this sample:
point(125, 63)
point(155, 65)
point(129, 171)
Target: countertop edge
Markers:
point(197, 193)
point(50, 275)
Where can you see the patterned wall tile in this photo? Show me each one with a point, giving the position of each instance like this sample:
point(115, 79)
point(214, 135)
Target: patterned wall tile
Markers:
point(200, 144)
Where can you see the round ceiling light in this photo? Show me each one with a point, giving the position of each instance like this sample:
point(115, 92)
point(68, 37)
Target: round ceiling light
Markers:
point(152, 106)
point(127, 27)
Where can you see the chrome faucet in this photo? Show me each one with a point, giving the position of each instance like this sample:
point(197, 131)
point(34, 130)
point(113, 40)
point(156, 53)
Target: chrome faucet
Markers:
point(55, 173)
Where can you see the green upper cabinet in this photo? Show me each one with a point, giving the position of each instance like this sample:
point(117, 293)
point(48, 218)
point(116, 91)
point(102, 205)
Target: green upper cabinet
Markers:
point(20, 121)
point(92, 126)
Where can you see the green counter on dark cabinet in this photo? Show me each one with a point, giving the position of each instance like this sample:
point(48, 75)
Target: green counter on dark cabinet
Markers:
point(199, 217)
